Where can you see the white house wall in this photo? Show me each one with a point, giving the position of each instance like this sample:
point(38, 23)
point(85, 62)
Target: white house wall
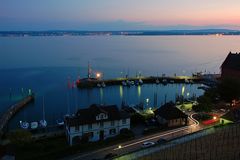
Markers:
point(96, 128)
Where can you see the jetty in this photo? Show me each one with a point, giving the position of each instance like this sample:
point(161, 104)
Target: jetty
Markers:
point(93, 82)
point(5, 118)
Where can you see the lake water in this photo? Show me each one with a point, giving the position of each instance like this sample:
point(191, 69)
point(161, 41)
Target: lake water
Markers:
point(45, 63)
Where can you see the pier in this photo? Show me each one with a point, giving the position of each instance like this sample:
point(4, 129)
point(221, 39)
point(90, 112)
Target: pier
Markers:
point(93, 82)
point(5, 118)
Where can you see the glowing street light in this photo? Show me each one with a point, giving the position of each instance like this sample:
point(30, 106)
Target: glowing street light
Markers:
point(119, 147)
point(214, 117)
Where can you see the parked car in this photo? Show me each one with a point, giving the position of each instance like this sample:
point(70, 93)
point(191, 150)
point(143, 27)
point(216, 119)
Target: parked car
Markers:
point(110, 155)
point(162, 141)
point(147, 144)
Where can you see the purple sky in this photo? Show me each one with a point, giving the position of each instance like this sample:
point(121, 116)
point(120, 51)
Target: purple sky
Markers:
point(118, 14)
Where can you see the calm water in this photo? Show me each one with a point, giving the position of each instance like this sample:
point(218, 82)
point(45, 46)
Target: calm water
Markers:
point(45, 63)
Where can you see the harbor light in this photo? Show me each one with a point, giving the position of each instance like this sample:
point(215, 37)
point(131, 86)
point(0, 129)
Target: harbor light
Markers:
point(119, 147)
point(98, 75)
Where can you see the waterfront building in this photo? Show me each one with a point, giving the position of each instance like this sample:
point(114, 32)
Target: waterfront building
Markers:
point(96, 123)
point(231, 66)
point(170, 116)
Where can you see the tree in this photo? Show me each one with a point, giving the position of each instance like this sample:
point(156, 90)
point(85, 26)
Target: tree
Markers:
point(204, 104)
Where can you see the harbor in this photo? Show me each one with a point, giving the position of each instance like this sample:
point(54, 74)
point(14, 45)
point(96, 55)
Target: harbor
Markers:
point(96, 79)
point(94, 82)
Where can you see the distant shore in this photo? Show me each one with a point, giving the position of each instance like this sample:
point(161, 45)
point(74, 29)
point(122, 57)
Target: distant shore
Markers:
point(216, 32)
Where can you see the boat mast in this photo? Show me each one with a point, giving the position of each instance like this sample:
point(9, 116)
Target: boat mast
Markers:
point(43, 109)
point(89, 70)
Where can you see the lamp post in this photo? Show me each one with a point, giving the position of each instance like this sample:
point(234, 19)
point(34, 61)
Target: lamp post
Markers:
point(147, 101)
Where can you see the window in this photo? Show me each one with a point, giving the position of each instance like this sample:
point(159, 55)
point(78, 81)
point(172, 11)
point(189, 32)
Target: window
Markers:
point(89, 126)
point(101, 124)
point(76, 128)
point(124, 121)
point(112, 131)
point(112, 123)
point(90, 134)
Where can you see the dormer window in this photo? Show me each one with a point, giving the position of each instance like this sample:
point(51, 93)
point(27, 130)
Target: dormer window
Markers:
point(102, 116)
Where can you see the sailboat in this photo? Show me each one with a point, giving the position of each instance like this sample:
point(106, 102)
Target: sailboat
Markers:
point(24, 124)
point(60, 122)
point(34, 125)
point(43, 122)
point(140, 81)
point(124, 83)
point(103, 85)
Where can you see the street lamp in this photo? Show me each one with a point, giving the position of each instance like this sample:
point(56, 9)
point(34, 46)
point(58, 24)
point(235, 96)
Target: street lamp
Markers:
point(214, 117)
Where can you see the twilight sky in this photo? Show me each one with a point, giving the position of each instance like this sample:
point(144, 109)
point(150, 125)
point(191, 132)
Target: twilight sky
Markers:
point(118, 14)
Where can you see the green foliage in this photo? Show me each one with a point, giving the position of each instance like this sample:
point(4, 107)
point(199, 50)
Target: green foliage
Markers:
point(20, 137)
point(229, 89)
point(204, 104)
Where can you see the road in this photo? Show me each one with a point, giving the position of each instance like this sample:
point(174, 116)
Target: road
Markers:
point(135, 144)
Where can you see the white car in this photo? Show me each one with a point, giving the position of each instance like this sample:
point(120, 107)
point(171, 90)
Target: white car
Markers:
point(147, 144)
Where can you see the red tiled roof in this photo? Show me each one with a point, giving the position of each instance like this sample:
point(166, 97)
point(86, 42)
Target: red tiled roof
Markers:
point(88, 115)
point(169, 111)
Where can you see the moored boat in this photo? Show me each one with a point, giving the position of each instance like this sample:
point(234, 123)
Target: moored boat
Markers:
point(124, 83)
point(34, 125)
point(164, 81)
point(140, 81)
point(24, 124)
point(60, 122)
point(103, 85)
point(43, 122)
